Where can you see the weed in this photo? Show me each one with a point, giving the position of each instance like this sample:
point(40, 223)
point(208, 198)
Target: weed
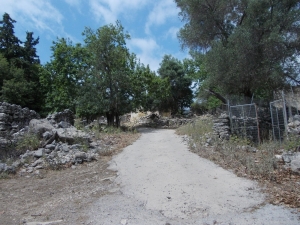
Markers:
point(106, 152)
point(4, 175)
point(292, 143)
point(236, 153)
point(29, 141)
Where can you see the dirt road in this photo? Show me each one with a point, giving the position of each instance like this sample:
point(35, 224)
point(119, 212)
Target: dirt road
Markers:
point(160, 182)
point(154, 181)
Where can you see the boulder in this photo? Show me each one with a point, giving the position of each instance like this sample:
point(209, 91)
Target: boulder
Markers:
point(50, 146)
point(71, 135)
point(295, 165)
point(39, 153)
point(63, 124)
point(40, 126)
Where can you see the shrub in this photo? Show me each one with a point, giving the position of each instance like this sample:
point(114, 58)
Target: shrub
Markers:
point(29, 141)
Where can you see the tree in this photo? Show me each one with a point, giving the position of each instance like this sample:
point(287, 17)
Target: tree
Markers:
point(110, 71)
point(181, 94)
point(9, 43)
point(63, 76)
point(19, 80)
point(250, 47)
point(148, 90)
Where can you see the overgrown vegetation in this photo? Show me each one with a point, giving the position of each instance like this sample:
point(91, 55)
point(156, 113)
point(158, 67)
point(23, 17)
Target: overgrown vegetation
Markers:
point(239, 156)
point(29, 141)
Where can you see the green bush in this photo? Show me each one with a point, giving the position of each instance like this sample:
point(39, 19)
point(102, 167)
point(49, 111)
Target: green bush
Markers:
point(29, 141)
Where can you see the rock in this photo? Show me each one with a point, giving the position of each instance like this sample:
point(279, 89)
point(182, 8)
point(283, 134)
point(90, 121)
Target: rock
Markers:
point(287, 157)
point(47, 135)
point(65, 148)
point(16, 164)
point(40, 126)
point(278, 158)
point(80, 155)
point(50, 146)
point(37, 162)
point(76, 146)
point(47, 151)
point(66, 116)
point(39, 153)
point(71, 135)
point(64, 124)
point(29, 169)
point(10, 169)
point(295, 165)
point(3, 167)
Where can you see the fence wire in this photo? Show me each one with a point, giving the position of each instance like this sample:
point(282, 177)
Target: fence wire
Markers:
point(279, 119)
point(244, 122)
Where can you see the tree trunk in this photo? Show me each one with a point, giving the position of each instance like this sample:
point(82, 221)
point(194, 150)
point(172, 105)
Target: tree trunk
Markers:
point(110, 118)
point(117, 120)
point(217, 95)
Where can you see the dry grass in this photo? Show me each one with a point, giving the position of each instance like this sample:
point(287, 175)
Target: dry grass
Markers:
point(238, 156)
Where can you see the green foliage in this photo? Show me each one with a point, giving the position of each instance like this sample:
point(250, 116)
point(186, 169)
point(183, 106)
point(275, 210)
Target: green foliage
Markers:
point(9, 44)
point(238, 141)
point(181, 94)
point(29, 141)
point(19, 67)
point(63, 76)
point(148, 90)
point(249, 47)
point(111, 66)
point(292, 143)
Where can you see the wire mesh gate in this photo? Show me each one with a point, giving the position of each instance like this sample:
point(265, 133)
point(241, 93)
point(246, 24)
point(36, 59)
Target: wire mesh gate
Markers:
point(244, 121)
point(279, 119)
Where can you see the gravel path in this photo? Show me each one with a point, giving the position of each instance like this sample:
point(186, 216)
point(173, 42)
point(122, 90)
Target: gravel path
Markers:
point(160, 182)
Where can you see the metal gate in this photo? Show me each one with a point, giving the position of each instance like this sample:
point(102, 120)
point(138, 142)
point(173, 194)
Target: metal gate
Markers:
point(244, 122)
point(279, 119)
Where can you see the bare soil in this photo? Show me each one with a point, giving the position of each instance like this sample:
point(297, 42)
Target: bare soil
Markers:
point(59, 195)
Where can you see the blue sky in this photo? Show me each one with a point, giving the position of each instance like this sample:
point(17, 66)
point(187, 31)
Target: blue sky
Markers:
point(152, 24)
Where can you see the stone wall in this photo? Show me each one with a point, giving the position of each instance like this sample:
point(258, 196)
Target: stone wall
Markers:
point(66, 116)
point(13, 118)
point(221, 127)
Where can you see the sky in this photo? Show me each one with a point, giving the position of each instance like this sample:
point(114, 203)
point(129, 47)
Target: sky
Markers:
point(152, 24)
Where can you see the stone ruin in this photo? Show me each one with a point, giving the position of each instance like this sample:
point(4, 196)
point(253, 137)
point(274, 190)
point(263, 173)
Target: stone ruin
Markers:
point(60, 142)
point(221, 127)
point(13, 118)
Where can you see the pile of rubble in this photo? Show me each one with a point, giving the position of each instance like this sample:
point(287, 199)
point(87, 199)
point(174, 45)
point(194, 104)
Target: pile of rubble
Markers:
point(294, 125)
point(61, 143)
point(156, 121)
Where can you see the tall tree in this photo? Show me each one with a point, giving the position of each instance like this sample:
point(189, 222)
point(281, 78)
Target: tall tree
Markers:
point(111, 67)
point(9, 44)
point(251, 46)
point(19, 82)
point(148, 90)
point(62, 77)
point(181, 94)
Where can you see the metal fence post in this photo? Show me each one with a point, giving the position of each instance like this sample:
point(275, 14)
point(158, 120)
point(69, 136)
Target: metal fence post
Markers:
point(258, 132)
point(285, 115)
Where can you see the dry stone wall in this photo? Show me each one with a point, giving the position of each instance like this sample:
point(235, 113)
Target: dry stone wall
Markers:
point(221, 127)
point(13, 118)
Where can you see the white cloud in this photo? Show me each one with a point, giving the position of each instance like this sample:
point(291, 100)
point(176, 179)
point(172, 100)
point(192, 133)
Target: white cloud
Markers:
point(38, 14)
point(172, 33)
point(161, 12)
point(147, 50)
point(75, 3)
point(109, 10)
